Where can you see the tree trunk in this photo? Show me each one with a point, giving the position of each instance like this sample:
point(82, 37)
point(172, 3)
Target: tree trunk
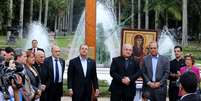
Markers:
point(40, 11)
point(132, 13)
point(46, 12)
point(146, 15)
point(139, 14)
point(31, 11)
point(185, 24)
point(71, 15)
point(21, 18)
point(10, 16)
point(55, 23)
point(156, 19)
point(119, 13)
point(166, 18)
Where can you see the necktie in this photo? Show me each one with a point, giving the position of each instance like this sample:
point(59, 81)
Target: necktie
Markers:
point(33, 50)
point(126, 64)
point(56, 71)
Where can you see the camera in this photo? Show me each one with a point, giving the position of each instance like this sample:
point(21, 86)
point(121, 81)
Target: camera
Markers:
point(8, 77)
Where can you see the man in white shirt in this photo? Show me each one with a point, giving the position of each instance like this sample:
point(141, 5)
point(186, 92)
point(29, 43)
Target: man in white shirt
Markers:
point(82, 77)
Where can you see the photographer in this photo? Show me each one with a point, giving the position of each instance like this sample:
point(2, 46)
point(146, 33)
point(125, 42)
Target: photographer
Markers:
point(11, 76)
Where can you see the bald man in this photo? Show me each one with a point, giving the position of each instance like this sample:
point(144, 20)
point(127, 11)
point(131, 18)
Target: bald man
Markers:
point(43, 72)
point(124, 71)
point(155, 72)
point(56, 66)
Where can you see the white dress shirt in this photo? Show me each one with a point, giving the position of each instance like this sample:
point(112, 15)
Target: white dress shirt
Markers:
point(54, 69)
point(84, 65)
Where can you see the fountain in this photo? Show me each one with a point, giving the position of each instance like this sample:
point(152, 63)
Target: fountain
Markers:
point(106, 18)
point(37, 31)
point(166, 43)
point(108, 41)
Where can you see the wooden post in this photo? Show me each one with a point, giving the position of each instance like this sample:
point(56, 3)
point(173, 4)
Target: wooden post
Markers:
point(90, 27)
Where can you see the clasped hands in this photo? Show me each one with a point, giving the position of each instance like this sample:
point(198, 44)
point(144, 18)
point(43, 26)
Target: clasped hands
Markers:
point(154, 84)
point(125, 80)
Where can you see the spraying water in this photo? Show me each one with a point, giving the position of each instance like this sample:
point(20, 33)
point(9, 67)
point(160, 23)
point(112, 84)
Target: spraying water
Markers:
point(166, 43)
point(38, 31)
point(105, 17)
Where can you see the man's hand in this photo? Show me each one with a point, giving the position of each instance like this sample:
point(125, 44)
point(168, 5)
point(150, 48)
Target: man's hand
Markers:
point(126, 81)
point(70, 91)
point(151, 84)
point(157, 84)
point(97, 93)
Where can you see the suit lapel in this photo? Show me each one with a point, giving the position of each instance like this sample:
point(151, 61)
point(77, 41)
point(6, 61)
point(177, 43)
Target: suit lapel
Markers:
point(88, 67)
point(158, 64)
point(150, 65)
point(51, 68)
point(80, 66)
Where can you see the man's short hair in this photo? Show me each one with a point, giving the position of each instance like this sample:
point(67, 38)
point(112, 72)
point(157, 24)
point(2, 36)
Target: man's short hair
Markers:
point(9, 50)
point(178, 47)
point(18, 52)
point(189, 82)
point(34, 40)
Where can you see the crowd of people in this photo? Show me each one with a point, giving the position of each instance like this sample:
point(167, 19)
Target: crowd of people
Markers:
point(28, 75)
point(31, 76)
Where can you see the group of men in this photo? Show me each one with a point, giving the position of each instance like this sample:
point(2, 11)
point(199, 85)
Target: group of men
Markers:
point(82, 77)
point(125, 70)
point(50, 71)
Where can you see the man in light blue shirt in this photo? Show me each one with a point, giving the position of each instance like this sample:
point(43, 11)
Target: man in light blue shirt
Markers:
point(155, 74)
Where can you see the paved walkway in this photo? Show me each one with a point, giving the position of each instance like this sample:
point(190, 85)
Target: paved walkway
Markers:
point(99, 99)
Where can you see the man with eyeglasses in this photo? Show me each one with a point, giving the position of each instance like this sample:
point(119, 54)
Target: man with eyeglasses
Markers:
point(175, 66)
point(155, 74)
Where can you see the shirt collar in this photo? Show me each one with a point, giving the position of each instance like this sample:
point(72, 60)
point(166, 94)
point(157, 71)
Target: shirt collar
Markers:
point(186, 95)
point(155, 56)
point(53, 58)
point(82, 59)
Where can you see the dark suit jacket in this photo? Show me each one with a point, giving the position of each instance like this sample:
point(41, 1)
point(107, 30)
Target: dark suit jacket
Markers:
point(118, 71)
point(54, 90)
point(76, 79)
point(191, 97)
point(37, 49)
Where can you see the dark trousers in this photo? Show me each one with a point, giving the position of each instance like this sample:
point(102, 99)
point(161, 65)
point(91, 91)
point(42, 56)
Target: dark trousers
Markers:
point(84, 96)
point(54, 92)
point(173, 92)
point(158, 94)
point(121, 96)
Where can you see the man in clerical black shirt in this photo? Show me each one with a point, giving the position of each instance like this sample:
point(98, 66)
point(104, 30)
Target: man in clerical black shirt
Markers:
point(175, 65)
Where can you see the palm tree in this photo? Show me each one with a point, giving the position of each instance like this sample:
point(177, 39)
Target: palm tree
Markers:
point(146, 14)
point(46, 12)
point(31, 11)
point(139, 14)
point(40, 10)
point(184, 23)
point(162, 6)
point(132, 12)
point(21, 18)
point(10, 16)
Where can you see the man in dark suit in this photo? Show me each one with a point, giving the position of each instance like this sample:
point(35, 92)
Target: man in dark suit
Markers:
point(56, 67)
point(43, 72)
point(35, 47)
point(156, 71)
point(82, 77)
point(188, 86)
point(124, 71)
point(175, 66)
